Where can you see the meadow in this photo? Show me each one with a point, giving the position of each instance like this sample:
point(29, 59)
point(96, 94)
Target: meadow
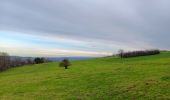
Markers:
point(107, 78)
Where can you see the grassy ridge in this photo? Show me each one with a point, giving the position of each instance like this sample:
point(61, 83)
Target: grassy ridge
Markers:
point(110, 78)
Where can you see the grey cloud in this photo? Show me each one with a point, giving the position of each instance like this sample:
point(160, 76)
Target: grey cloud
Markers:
point(130, 23)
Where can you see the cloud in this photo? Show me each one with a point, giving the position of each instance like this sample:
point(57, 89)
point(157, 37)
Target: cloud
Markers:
point(36, 51)
point(97, 25)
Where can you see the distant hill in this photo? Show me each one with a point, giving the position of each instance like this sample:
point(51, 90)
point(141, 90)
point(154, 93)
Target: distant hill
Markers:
point(52, 58)
point(70, 58)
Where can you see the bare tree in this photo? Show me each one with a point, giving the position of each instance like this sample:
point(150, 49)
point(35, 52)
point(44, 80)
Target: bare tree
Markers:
point(29, 61)
point(18, 61)
point(4, 61)
point(120, 52)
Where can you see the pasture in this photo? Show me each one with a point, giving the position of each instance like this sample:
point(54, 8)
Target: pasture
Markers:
point(108, 78)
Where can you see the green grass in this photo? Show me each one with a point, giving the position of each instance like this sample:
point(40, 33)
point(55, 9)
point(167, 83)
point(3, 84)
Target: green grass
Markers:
point(109, 78)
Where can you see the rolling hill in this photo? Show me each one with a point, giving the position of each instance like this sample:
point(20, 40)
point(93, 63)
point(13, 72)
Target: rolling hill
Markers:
point(108, 78)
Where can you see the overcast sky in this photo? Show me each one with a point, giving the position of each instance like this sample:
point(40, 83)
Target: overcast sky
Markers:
point(83, 27)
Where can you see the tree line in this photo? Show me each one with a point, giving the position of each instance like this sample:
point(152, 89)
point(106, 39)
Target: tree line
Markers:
point(123, 54)
point(7, 61)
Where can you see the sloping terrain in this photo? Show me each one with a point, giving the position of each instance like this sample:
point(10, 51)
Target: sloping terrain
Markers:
point(109, 78)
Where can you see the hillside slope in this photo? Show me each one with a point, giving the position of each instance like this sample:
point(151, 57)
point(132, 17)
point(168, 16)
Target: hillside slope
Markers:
point(110, 78)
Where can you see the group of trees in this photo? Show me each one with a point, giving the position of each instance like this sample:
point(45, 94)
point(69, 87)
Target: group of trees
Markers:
point(123, 54)
point(40, 60)
point(7, 61)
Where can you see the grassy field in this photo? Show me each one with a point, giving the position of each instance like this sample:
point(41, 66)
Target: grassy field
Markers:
point(110, 78)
